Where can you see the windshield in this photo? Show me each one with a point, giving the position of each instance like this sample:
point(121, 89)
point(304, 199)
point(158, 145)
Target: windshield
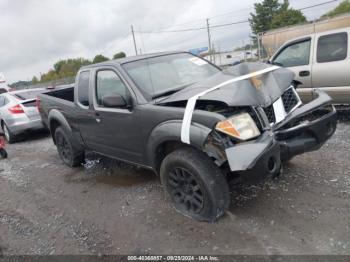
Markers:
point(163, 74)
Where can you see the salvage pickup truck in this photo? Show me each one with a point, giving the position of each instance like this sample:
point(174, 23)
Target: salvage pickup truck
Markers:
point(133, 109)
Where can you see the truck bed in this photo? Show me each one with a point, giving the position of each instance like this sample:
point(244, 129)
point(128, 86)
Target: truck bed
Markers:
point(61, 99)
point(64, 92)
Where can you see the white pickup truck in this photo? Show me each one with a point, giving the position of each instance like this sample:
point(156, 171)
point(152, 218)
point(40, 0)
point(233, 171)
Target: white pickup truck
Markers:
point(320, 60)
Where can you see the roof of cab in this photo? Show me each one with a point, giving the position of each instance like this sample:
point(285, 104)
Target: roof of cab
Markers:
point(132, 59)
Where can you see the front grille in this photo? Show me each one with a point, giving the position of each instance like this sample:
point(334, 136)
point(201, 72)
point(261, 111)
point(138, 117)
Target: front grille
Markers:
point(270, 114)
point(290, 100)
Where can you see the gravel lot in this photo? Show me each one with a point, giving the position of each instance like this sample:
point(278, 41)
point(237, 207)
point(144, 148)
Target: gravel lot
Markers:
point(107, 207)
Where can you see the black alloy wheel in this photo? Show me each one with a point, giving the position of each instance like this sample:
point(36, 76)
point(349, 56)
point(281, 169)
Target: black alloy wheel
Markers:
point(63, 148)
point(185, 190)
point(195, 184)
point(70, 154)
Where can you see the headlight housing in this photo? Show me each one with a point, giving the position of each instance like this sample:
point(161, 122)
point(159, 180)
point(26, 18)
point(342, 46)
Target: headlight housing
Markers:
point(240, 126)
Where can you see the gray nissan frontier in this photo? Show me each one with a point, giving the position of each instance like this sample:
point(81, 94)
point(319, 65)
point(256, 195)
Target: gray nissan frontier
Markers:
point(247, 120)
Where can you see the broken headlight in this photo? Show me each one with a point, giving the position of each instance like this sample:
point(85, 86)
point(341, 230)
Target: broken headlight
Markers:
point(240, 126)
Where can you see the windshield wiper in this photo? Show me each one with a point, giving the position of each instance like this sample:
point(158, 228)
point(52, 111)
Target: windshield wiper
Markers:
point(169, 92)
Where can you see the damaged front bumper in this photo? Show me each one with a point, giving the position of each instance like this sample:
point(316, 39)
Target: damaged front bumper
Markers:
point(305, 129)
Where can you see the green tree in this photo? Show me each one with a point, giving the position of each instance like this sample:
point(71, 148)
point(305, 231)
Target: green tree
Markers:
point(343, 7)
point(264, 13)
point(99, 59)
point(64, 68)
point(119, 55)
point(271, 14)
point(70, 67)
point(35, 80)
point(287, 17)
point(49, 76)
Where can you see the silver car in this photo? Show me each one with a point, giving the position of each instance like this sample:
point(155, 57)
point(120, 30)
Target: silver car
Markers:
point(18, 112)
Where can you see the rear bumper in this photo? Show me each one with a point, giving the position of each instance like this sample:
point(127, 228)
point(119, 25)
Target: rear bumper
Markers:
point(304, 130)
point(22, 125)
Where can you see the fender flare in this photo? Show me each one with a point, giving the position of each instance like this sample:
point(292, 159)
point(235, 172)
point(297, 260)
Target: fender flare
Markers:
point(56, 115)
point(171, 131)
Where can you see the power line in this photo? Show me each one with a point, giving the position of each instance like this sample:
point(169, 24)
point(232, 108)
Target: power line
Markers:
point(211, 17)
point(311, 6)
point(191, 29)
point(170, 31)
point(233, 23)
point(220, 25)
point(232, 12)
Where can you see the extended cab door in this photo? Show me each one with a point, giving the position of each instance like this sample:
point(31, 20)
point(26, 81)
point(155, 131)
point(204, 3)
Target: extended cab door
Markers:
point(117, 130)
point(331, 65)
point(83, 117)
point(296, 56)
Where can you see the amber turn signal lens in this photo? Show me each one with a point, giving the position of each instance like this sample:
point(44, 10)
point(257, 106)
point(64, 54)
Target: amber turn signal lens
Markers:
point(227, 127)
point(240, 126)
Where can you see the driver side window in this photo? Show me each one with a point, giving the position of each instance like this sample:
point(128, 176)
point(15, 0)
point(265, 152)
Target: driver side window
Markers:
point(296, 54)
point(109, 83)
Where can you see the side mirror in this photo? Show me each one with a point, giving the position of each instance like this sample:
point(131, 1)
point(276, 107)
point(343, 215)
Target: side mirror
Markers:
point(113, 101)
point(276, 63)
point(296, 83)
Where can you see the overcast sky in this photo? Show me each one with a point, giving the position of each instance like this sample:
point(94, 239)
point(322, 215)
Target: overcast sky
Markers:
point(34, 34)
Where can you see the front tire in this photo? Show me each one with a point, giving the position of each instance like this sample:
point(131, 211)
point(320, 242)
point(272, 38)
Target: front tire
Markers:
point(195, 184)
point(70, 156)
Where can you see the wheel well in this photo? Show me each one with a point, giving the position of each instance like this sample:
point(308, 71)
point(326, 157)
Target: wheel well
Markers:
point(53, 126)
point(165, 149)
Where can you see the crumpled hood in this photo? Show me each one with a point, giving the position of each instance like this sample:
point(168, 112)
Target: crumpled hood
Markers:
point(261, 90)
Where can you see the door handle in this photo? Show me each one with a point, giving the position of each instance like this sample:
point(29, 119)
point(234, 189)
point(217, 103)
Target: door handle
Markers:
point(97, 117)
point(304, 73)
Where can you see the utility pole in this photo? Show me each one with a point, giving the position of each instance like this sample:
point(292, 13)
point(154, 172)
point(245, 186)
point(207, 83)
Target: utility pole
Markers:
point(209, 41)
point(258, 38)
point(133, 36)
point(214, 53)
point(251, 48)
point(245, 53)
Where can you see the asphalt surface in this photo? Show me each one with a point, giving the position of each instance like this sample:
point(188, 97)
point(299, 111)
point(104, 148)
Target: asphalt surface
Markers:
point(107, 207)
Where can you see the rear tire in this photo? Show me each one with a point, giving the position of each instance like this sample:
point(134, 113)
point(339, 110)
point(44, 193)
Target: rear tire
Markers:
point(9, 136)
point(195, 184)
point(70, 156)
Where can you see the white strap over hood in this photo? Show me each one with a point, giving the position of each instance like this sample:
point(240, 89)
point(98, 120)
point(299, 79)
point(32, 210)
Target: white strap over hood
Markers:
point(186, 123)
